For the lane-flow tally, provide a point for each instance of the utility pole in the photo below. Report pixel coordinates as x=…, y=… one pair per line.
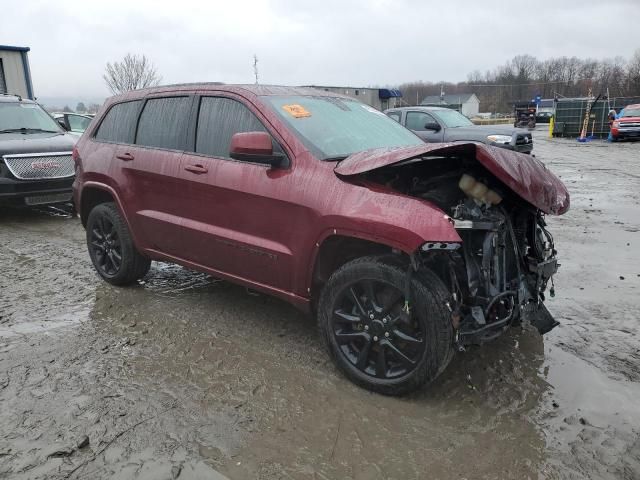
x=255, y=67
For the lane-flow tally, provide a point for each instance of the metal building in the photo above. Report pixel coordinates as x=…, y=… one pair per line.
x=379, y=98
x=15, y=74
x=467, y=104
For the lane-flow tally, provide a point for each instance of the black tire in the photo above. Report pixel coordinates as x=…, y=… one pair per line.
x=111, y=248
x=390, y=373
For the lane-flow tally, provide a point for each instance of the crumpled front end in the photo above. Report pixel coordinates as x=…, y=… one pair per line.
x=500, y=272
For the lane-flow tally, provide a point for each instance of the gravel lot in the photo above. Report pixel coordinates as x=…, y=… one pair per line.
x=184, y=376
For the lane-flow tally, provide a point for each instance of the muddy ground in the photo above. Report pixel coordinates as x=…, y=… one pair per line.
x=184, y=376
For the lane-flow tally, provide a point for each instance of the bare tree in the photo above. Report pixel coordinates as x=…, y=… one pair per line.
x=633, y=73
x=93, y=108
x=132, y=73
x=524, y=77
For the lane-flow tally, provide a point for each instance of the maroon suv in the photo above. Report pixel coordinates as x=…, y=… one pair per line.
x=404, y=251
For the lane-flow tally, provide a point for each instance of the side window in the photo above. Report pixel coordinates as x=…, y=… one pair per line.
x=417, y=120
x=395, y=116
x=119, y=124
x=164, y=122
x=78, y=123
x=218, y=120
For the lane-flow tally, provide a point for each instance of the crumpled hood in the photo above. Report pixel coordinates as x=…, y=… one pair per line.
x=523, y=174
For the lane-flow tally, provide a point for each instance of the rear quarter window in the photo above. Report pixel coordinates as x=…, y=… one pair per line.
x=119, y=123
x=394, y=116
x=164, y=123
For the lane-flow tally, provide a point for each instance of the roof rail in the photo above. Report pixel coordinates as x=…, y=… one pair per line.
x=11, y=95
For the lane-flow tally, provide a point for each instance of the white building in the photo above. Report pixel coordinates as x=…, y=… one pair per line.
x=15, y=74
x=379, y=98
x=466, y=103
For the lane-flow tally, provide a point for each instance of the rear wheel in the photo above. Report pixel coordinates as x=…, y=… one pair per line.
x=372, y=338
x=110, y=246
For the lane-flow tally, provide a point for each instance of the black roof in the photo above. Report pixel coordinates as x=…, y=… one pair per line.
x=13, y=48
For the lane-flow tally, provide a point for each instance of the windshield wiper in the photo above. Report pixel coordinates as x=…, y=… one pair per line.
x=25, y=130
x=335, y=159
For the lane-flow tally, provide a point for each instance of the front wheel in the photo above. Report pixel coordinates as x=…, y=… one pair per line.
x=369, y=334
x=111, y=248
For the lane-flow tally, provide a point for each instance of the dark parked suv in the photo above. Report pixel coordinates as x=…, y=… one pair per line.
x=35, y=155
x=405, y=251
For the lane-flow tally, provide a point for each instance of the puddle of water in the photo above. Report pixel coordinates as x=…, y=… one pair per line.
x=578, y=386
x=591, y=421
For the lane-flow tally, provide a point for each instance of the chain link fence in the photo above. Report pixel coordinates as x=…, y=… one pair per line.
x=570, y=112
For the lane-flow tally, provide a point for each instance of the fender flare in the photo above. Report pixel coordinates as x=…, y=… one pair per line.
x=327, y=233
x=112, y=191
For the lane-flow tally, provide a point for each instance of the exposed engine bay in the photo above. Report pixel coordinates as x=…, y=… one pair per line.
x=498, y=275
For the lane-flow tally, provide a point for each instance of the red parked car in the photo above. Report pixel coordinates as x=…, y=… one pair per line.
x=404, y=251
x=628, y=124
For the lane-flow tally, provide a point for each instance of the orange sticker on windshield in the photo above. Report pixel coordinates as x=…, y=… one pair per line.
x=296, y=111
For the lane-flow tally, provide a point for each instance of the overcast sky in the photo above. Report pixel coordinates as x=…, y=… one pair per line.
x=323, y=42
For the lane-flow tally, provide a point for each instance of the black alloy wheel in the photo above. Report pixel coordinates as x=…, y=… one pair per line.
x=111, y=247
x=371, y=335
x=106, y=246
x=374, y=332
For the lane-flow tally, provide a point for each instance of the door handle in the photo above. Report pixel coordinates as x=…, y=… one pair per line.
x=127, y=157
x=196, y=169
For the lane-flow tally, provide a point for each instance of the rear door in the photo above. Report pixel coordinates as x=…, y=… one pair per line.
x=237, y=223
x=415, y=120
x=150, y=169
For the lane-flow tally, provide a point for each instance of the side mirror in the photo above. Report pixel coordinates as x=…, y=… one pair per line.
x=432, y=126
x=254, y=147
x=62, y=124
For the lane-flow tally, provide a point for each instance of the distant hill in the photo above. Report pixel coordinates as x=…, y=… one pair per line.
x=58, y=103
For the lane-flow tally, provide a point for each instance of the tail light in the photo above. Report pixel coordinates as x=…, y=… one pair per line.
x=75, y=155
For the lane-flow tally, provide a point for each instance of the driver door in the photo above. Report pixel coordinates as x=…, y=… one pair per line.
x=416, y=120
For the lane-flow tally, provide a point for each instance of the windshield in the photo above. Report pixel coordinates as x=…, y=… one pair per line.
x=334, y=128
x=452, y=118
x=26, y=117
x=633, y=112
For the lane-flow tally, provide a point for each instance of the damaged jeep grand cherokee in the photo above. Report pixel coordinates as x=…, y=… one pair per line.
x=405, y=252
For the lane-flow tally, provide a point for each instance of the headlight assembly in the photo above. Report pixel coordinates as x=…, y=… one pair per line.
x=499, y=138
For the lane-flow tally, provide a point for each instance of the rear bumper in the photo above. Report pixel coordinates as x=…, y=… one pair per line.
x=14, y=192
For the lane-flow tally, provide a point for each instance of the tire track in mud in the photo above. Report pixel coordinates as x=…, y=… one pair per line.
x=44, y=274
